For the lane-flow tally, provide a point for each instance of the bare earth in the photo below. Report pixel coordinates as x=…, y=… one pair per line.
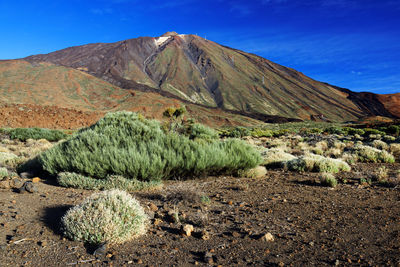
x=351, y=225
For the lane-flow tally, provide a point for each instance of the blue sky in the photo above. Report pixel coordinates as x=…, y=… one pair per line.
x=349, y=43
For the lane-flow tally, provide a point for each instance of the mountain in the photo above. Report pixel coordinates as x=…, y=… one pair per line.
x=191, y=70
x=70, y=98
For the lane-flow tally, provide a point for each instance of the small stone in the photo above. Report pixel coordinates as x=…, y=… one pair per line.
x=187, y=229
x=235, y=234
x=281, y=264
x=208, y=258
x=5, y=184
x=205, y=235
x=36, y=180
x=157, y=221
x=109, y=255
x=25, y=175
x=17, y=183
x=230, y=202
x=101, y=250
x=30, y=187
x=153, y=207
x=139, y=261
x=268, y=237
x=311, y=243
x=21, y=190
x=42, y=243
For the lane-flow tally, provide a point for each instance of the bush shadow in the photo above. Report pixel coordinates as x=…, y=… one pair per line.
x=52, y=217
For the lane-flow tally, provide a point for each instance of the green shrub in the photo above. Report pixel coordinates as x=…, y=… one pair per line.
x=126, y=144
x=328, y=179
x=334, y=130
x=201, y=131
x=353, y=131
x=3, y=173
x=23, y=134
x=5, y=156
x=111, y=217
x=317, y=163
x=239, y=132
x=369, y=131
x=70, y=179
x=363, y=153
x=275, y=158
x=379, y=145
x=393, y=130
x=257, y=132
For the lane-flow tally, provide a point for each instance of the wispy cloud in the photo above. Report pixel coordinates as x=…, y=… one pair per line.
x=240, y=9
x=101, y=11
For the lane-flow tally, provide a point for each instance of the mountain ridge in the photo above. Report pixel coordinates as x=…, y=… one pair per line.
x=194, y=70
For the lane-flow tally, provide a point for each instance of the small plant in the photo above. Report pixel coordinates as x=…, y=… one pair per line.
x=4, y=157
x=3, y=173
x=379, y=145
x=205, y=200
x=317, y=163
x=328, y=179
x=363, y=153
x=74, y=180
x=381, y=174
x=24, y=134
x=111, y=217
x=275, y=158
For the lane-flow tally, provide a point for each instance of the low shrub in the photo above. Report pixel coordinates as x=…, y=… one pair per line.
x=201, y=131
x=327, y=179
x=275, y=158
x=369, y=131
x=261, y=133
x=111, y=217
x=362, y=153
x=24, y=134
x=4, y=157
x=317, y=163
x=126, y=144
x=70, y=179
x=395, y=149
x=379, y=145
x=3, y=173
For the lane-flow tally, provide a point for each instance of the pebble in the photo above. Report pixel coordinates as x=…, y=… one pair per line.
x=187, y=229
x=5, y=184
x=25, y=175
x=16, y=183
x=101, y=250
x=153, y=207
x=30, y=187
x=268, y=237
x=205, y=235
x=208, y=257
x=36, y=180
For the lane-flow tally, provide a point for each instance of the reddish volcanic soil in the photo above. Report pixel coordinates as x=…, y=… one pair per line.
x=351, y=225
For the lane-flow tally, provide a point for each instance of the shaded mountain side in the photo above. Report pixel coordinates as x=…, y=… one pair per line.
x=195, y=70
x=73, y=92
x=375, y=104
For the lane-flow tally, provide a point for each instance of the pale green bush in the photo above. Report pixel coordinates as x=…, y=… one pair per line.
x=395, y=149
x=69, y=179
x=111, y=217
x=379, y=145
x=327, y=179
x=317, y=163
x=275, y=157
x=362, y=153
x=3, y=173
x=126, y=144
x=4, y=157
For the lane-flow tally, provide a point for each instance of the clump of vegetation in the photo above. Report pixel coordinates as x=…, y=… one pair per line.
x=126, y=144
x=275, y=158
x=70, y=179
x=395, y=149
x=5, y=156
x=317, y=163
x=200, y=131
x=111, y=217
x=3, y=173
x=379, y=145
x=24, y=134
x=364, y=153
x=327, y=179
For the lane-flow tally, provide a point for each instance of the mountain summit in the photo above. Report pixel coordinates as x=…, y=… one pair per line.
x=195, y=70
